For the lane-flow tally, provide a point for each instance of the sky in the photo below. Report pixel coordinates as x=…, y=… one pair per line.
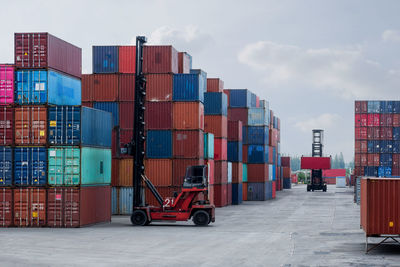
x=310, y=59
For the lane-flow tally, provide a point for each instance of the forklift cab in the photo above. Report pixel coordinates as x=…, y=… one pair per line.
x=196, y=177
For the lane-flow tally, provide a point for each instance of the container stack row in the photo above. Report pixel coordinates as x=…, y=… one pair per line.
x=286, y=173
x=377, y=138
x=331, y=176
x=55, y=164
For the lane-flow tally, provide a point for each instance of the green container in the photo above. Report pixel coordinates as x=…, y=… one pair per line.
x=208, y=146
x=71, y=166
x=244, y=172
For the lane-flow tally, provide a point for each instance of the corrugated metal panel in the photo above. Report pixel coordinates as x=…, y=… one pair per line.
x=244, y=172
x=229, y=172
x=47, y=87
x=125, y=200
x=112, y=107
x=179, y=167
x=235, y=151
x=235, y=131
x=215, y=104
x=114, y=200
x=95, y=166
x=159, y=171
x=100, y=87
x=30, y=125
x=125, y=171
x=6, y=164
x=239, y=98
x=211, y=170
x=188, y=144
x=6, y=84
x=64, y=166
x=256, y=135
x=160, y=59
x=259, y=191
x=114, y=170
x=126, y=111
x=220, y=171
x=64, y=125
x=159, y=87
x=127, y=59
x=257, y=117
x=220, y=195
x=185, y=62
x=92, y=120
x=215, y=85
x=188, y=116
x=30, y=166
x=6, y=207
x=237, y=172
x=6, y=125
x=29, y=206
x=126, y=87
x=257, y=172
x=237, y=193
x=43, y=50
x=257, y=154
x=217, y=125
x=229, y=194
x=253, y=101
x=238, y=114
x=220, y=149
x=159, y=144
x=158, y=115
x=208, y=145
x=189, y=87
x=105, y=59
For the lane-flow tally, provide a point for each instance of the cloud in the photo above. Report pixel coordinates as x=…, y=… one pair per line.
x=343, y=72
x=189, y=38
x=391, y=36
x=323, y=121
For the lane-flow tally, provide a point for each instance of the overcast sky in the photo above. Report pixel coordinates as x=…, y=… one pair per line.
x=310, y=59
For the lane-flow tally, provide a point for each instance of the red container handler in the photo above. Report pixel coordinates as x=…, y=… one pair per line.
x=179, y=167
x=43, y=50
x=29, y=206
x=78, y=206
x=165, y=191
x=6, y=125
x=188, y=144
x=315, y=163
x=6, y=207
x=235, y=131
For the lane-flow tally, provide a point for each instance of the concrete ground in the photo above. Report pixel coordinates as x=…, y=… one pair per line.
x=296, y=229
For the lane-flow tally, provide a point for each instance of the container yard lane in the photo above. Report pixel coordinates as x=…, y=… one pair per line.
x=295, y=229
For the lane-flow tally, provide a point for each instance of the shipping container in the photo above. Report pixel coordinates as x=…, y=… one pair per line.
x=220, y=195
x=218, y=125
x=43, y=50
x=235, y=151
x=126, y=87
x=208, y=146
x=6, y=165
x=6, y=207
x=91, y=121
x=190, y=87
x=99, y=87
x=361, y=133
x=315, y=163
x=29, y=206
x=235, y=131
x=188, y=144
x=237, y=193
x=30, y=165
x=159, y=171
x=158, y=115
x=6, y=84
x=257, y=173
x=105, y=59
x=257, y=154
x=30, y=125
x=210, y=170
x=229, y=194
x=188, y=116
x=240, y=98
x=379, y=206
x=287, y=183
x=285, y=161
x=124, y=137
x=237, y=172
x=255, y=135
x=259, y=191
x=396, y=133
x=125, y=203
x=257, y=117
x=126, y=59
x=245, y=153
x=46, y=87
x=159, y=87
x=215, y=85
x=220, y=172
x=396, y=120
x=159, y=144
x=244, y=191
x=78, y=206
x=184, y=62
x=220, y=149
x=114, y=171
x=215, y=104
x=373, y=106
x=111, y=107
x=126, y=111
x=125, y=172
x=238, y=114
x=114, y=200
x=179, y=167
x=6, y=125
x=244, y=172
x=333, y=172
x=286, y=173
x=160, y=59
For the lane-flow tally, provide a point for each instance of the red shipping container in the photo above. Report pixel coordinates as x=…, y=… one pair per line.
x=179, y=167
x=386, y=120
x=188, y=144
x=126, y=114
x=396, y=160
x=159, y=87
x=386, y=133
x=229, y=194
x=87, y=104
x=270, y=154
x=285, y=162
x=274, y=186
x=30, y=125
x=217, y=125
x=363, y=106
x=220, y=149
x=396, y=171
x=363, y=146
x=215, y=85
x=334, y=173
x=273, y=137
x=286, y=172
x=361, y=133
x=379, y=210
x=220, y=195
x=257, y=173
x=188, y=116
x=159, y=171
x=6, y=125
x=114, y=172
x=220, y=172
x=373, y=120
x=160, y=59
x=75, y=207
x=359, y=171
x=357, y=160
x=211, y=170
x=315, y=163
x=361, y=120
x=158, y=115
x=126, y=87
x=184, y=62
x=114, y=144
x=237, y=172
x=165, y=191
x=235, y=131
x=364, y=160
x=29, y=206
x=373, y=133
x=126, y=59
x=396, y=120
x=271, y=118
x=244, y=153
x=258, y=102
x=330, y=180
x=100, y=87
x=6, y=207
x=43, y=50
x=211, y=194
x=238, y=114
x=357, y=107
x=244, y=191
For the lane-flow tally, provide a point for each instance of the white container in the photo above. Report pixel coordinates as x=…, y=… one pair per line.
x=341, y=182
x=229, y=172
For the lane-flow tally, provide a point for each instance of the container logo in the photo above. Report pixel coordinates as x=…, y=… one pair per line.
x=34, y=214
x=53, y=123
x=391, y=224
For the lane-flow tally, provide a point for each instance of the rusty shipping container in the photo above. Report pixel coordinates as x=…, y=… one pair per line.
x=100, y=87
x=6, y=125
x=220, y=149
x=220, y=172
x=257, y=173
x=158, y=115
x=188, y=144
x=30, y=125
x=179, y=167
x=184, y=63
x=78, y=206
x=235, y=131
x=159, y=87
x=126, y=58
x=126, y=87
x=237, y=172
x=380, y=202
x=188, y=116
x=217, y=125
x=6, y=207
x=160, y=59
x=114, y=172
x=159, y=171
x=43, y=50
x=215, y=85
x=220, y=195
x=29, y=206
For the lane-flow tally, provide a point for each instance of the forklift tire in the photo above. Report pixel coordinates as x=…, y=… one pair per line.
x=308, y=188
x=139, y=218
x=324, y=189
x=201, y=218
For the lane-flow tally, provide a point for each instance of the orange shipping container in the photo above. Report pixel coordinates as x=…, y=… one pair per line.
x=188, y=116
x=244, y=186
x=159, y=87
x=126, y=59
x=29, y=207
x=159, y=171
x=217, y=125
x=30, y=125
x=215, y=85
x=237, y=172
x=100, y=87
x=125, y=172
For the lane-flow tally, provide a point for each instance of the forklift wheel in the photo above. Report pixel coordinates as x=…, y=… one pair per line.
x=324, y=189
x=308, y=188
x=139, y=218
x=201, y=218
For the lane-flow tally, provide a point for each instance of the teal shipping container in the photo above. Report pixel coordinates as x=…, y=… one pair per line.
x=72, y=166
x=208, y=146
x=244, y=172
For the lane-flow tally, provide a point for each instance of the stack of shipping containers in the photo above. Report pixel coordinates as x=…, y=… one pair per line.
x=286, y=172
x=235, y=155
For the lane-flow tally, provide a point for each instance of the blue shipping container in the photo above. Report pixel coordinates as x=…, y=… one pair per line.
x=215, y=104
x=255, y=135
x=239, y=98
x=112, y=107
x=6, y=163
x=385, y=160
x=159, y=144
x=190, y=87
x=47, y=87
x=125, y=200
x=257, y=154
x=30, y=165
x=396, y=147
x=237, y=194
x=257, y=117
x=253, y=101
x=373, y=106
x=385, y=146
x=96, y=127
x=384, y=171
x=105, y=59
x=371, y=171
x=114, y=200
x=235, y=151
x=287, y=183
x=259, y=191
x=64, y=125
x=396, y=106
x=396, y=133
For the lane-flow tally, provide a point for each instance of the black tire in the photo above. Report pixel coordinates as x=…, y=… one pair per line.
x=201, y=218
x=139, y=218
x=324, y=189
x=308, y=188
